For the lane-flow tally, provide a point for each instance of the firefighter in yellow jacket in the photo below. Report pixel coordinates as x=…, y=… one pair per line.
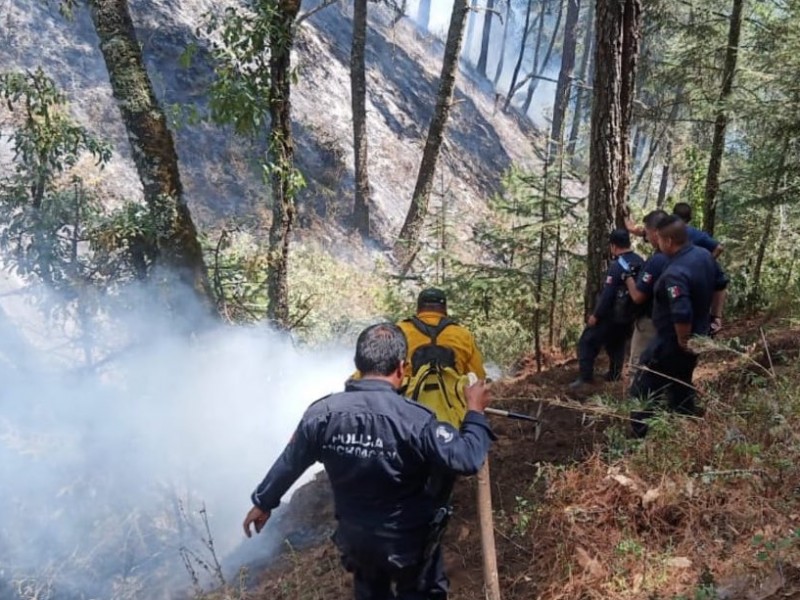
x=431, y=321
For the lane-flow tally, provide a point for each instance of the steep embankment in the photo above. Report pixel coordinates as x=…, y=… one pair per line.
x=704, y=508
x=219, y=170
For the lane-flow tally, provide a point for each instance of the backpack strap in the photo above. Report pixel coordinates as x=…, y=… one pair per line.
x=430, y=331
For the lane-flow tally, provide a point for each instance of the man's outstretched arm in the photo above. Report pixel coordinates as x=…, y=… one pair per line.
x=461, y=451
x=298, y=455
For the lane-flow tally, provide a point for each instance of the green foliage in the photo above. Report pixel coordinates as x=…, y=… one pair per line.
x=54, y=227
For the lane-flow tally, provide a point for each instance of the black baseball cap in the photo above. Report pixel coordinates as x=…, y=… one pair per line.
x=432, y=296
x=620, y=238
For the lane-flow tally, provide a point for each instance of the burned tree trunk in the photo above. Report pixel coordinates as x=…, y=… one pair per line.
x=177, y=249
x=407, y=244
x=486, y=37
x=358, y=97
x=721, y=122
x=662, y=186
x=536, y=74
x=581, y=95
x=423, y=14
x=526, y=29
x=281, y=157
x=501, y=60
x=561, y=101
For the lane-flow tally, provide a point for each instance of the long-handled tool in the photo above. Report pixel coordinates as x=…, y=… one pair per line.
x=491, y=577
x=509, y=414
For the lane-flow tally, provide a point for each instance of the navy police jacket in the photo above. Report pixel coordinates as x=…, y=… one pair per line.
x=381, y=451
x=649, y=275
x=684, y=291
x=613, y=283
x=700, y=238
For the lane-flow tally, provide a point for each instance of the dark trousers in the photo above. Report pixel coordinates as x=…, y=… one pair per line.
x=385, y=568
x=666, y=381
x=606, y=335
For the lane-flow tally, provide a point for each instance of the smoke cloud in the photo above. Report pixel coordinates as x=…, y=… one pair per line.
x=105, y=467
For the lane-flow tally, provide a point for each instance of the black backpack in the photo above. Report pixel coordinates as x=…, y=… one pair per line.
x=432, y=354
x=625, y=311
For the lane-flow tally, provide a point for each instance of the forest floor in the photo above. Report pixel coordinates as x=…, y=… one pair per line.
x=703, y=508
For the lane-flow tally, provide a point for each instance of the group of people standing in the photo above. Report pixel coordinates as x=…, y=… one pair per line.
x=658, y=304
x=392, y=463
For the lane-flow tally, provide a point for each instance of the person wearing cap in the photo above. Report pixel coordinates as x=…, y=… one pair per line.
x=691, y=289
x=603, y=330
x=386, y=458
x=431, y=310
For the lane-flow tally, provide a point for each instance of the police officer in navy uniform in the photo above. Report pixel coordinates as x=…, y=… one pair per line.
x=641, y=288
x=603, y=328
x=387, y=458
x=691, y=287
x=698, y=237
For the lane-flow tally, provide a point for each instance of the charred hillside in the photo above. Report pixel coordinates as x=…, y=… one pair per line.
x=219, y=169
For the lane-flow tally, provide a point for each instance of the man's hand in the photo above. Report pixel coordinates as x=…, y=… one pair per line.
x=591, y=321
x=256, y=517
x=716, y=325
x=478, y=396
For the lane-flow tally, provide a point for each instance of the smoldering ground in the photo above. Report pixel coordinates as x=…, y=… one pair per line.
x=106, y=467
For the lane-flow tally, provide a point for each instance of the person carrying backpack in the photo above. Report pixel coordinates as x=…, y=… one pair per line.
x=611, y=322
x=440, y=355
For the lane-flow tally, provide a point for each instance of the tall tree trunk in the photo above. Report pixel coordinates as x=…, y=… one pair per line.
x=755, y=289
x=605, y=149
x=177, y=249
x=281, y=157
x=486, y=37
x=423, y=14
x=561, y=100
x=501, y=60
x=358, y=96
x=721, y=122
x=471, y=19
x=638, y=143
x=526, y=29
x=534, y=82
x=631, y=36
x=662, y=187
x=557, y=252
x=581, y=95
x=407, y=244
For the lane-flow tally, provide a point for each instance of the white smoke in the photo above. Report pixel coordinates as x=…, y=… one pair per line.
x=97, y=463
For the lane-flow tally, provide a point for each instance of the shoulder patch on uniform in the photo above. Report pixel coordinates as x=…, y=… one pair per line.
x=647, y=277
x=674, y=291
x=444, y=434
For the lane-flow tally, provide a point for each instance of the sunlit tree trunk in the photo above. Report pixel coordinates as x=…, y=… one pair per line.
x=281, y=150
x=358, y=96
x=721, y=122
x=178, y=252
x=616, y=43
x=407, y=244
x=631, y=37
